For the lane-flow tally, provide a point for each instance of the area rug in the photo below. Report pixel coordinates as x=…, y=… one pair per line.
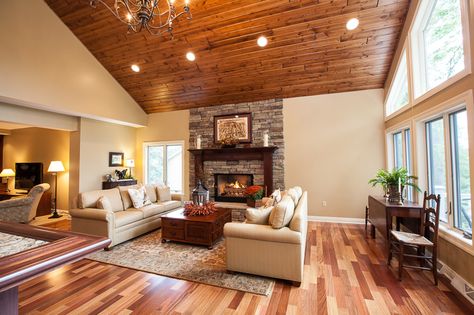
x=182, y=261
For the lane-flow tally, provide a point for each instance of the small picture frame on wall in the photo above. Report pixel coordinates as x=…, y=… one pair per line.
x=234, y=125
x=115, y=159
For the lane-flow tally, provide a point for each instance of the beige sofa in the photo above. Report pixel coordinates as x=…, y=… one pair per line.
x=262, y=250
x=123, y=222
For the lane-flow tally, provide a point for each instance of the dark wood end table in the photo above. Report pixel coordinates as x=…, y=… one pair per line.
x=199, y=230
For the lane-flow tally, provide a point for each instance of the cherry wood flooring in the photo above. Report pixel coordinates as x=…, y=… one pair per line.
x=345, y=273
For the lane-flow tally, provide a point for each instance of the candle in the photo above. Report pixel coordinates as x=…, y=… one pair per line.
x=198, y=142
x=265, y=140
x=400, y=185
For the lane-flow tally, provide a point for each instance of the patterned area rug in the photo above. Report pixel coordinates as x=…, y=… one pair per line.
x=182, y=261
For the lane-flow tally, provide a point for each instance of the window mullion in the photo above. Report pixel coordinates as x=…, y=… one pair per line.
x=449, y=171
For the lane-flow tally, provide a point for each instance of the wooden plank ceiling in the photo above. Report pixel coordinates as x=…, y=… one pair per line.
x=309, y=52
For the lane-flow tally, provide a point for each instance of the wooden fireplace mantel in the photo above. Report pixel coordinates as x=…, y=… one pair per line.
x=264, y=154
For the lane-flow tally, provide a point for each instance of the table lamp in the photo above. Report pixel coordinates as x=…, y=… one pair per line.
x=130, y=163
x=55, y=167
x=7, y=172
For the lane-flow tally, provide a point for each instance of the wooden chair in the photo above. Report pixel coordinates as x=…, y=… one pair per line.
x=397, y=240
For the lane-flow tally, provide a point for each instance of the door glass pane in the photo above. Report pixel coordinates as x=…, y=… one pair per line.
x=174, y=167
x=443, y=42
x=437, y=163
x=155, y=165
x=409, y=190
x=461, y=172
x=398, y=150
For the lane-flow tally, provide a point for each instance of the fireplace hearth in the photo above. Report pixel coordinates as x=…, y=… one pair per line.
x=231, y=187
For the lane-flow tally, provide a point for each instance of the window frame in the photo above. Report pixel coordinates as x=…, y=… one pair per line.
x=394, y=84
x=146, y=145
x=417, y=65
x=464, y=100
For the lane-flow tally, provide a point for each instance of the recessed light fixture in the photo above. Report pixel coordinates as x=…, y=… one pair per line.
x=352, y=24
x=135, y=68
x=262, y=41
x=190, y=56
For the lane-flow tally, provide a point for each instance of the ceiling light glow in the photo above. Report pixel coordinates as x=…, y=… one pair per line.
x=135, y=68
x=190, y=56
x=352, y=24
x=262, y=41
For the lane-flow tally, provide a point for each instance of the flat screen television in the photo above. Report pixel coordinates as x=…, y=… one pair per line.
x=27, y=175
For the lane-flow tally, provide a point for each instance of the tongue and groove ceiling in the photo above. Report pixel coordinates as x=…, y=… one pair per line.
x=309, y=52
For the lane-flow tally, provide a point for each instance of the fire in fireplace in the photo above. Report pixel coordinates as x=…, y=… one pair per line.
x=231, y=187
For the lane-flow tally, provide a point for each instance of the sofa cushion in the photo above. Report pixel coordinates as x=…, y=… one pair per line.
x=104, y=203
x=89, y=199
x=294, y=195
x=171, y=204
x=127, y=202
x=164, y=193
x=128, y=216
x=151, y=210
x=258, y=216
x=151, y=193
x=139, y=197
x=299, y=191
x=282, y=213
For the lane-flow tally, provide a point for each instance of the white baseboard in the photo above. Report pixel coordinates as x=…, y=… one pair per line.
x=316, y=218
x=458, y=283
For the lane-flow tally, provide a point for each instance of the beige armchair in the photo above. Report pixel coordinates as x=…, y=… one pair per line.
x=22, y=210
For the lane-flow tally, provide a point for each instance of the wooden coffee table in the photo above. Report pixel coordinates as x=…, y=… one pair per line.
x=200, y=230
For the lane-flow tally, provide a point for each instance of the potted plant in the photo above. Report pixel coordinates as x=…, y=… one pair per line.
x=394, y=182
x=254, y=196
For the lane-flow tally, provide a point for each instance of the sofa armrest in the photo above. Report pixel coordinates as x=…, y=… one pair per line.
x=92, y=214
x=262, y=233
x=177, y=197
x=16, y=202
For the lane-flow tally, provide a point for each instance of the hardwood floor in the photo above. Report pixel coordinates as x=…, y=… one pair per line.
x=345, y=273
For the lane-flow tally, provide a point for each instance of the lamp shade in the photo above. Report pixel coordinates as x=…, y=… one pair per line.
x=129, y=163
x=55, y=166
x=7, y=172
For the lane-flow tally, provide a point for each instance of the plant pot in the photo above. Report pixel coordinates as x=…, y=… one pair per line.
x=254, y=203
x=394, y=194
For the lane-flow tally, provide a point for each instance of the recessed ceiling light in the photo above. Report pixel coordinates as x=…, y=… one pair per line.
x=352, y=24
x=135, y=68
x=262, y=41
x=190, y=56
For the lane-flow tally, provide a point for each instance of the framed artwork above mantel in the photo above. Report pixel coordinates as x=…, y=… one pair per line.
x=233, y=125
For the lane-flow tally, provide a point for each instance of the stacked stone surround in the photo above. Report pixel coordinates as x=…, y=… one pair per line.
x=267, y=116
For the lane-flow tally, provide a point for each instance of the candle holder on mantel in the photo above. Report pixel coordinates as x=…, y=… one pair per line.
x=265, y=139
x=198, y=142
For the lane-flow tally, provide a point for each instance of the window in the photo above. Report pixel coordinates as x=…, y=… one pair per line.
x=407, y=137
x=398, y=150
x=448, y=167
x=398, y=94
x=438, y=47
x=401, y=155
x=460, y=170
x=164, y=164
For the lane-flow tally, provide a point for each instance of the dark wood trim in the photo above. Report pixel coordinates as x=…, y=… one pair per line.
x=63, y=248
x=249, y=125
x=110, y=159
x=264, y=154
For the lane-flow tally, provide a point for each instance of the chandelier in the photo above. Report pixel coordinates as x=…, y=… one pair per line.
x=156, y=16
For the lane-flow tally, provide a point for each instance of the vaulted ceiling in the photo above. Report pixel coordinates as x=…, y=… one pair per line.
x=309, y=51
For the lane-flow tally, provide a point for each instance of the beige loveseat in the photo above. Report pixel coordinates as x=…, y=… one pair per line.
x=122, y=222
x=263, y=250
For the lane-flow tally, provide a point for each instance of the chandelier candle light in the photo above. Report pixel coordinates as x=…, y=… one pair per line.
x=156, y=16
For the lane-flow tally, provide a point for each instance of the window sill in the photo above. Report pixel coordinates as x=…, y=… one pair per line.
x=456, y=238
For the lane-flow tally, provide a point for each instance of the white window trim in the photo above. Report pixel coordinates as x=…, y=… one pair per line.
x=392, y=86
x=465, y=99
x=414, y=45
x=163, y=143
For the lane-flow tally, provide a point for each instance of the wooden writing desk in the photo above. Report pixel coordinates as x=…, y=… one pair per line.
x=381, y=213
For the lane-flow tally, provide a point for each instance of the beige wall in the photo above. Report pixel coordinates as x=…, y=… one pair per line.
x=96, y=140
x=333, y=145
x=45, y=66
x=40, y=145
x=459, y=260
x=168, y=126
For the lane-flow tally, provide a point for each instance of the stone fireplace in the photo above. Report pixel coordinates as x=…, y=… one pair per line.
x=231, y=187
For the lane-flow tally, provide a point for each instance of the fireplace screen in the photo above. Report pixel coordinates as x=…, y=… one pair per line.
x=231, y=187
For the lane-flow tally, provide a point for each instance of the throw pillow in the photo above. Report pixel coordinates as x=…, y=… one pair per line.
x=164, y=193
x=276, y=195
x=139, y=197
x=151, y=192
x=293, y=194
x=282, y=213
x=104, y=203
x=127, y=202
x=258, y=216
x=299, y=190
